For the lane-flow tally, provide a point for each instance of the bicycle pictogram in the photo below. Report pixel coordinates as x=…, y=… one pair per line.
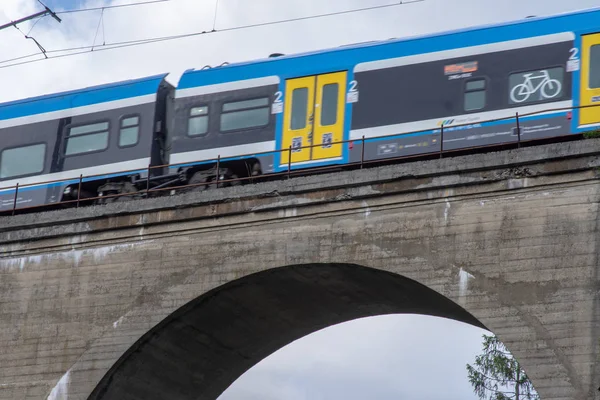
x=548, y=87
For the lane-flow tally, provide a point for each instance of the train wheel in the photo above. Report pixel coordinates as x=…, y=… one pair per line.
x=127, y=190
x=200, y=180
x=227, y=174
x=205, y=180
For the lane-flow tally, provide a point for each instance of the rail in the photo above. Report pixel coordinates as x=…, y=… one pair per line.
x=289, y=172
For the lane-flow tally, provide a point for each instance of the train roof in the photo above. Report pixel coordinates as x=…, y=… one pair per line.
x=431, y=42
x=81, y=97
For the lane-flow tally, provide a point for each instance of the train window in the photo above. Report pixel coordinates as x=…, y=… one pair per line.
x=329, y=108
x=87, y=138
x=299, y=108
x=245, y=114
x=595, y=67
x=242, y=105
x=20, y=161
x=475, y=95
x=198, y=121
x=130, y=131
x=535, y=86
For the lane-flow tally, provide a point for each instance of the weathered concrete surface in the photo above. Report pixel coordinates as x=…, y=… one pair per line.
x=512, y=240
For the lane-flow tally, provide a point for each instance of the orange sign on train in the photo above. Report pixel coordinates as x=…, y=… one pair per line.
x=460, y=68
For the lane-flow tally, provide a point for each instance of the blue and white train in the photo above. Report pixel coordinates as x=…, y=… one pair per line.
x=395, y=93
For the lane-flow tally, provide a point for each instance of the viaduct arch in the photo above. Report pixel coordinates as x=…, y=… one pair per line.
x=203, y=347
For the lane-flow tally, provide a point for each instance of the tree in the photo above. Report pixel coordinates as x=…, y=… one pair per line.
x=496, y=375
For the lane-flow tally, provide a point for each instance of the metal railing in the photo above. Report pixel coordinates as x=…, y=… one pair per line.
x=289, y=172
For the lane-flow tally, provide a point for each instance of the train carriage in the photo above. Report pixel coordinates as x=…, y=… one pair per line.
x=104, y=132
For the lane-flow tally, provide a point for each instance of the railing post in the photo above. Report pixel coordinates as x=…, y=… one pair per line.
x=442, y=142
x=362, y=152
x=518, y=131
x=148, y=182
x=79, y=189
x=289, y=161
x=15, y=200
x=218, y=174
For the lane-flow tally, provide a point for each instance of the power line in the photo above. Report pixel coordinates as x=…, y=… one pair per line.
x=34, y=24
x=216, y=13
x=117, y=45
x=43, y=14
x=101, y=21
x=54, y=14
x=78, y=10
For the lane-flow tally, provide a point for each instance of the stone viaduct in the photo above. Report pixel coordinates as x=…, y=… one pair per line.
x=174, y=298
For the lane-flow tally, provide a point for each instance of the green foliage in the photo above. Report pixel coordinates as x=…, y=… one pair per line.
x=591, y=134
x=496, y=375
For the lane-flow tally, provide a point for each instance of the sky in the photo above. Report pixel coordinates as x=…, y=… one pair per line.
x=411, y=357
x=399, y=357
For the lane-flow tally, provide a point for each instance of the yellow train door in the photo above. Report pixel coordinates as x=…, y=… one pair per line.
x=298, y=119
x=590, y=80
x=314, y=115
x=329, y=115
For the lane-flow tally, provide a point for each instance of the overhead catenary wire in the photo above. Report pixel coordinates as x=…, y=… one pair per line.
x=141, y=3
x=27, y=36
x=216, y=13
x=39, y=15
x=74, y=51
x=100, y=23
x=48, y=12
x=181, y=36
x=78, y=10
x=34, y=24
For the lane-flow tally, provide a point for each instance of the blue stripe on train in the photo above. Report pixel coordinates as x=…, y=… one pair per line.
x=464, y=127
x=82, y=97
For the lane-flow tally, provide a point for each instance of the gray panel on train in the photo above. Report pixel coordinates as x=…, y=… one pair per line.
x=114, y=153
x=424, y=91
x=53, y=132
x=179, y=112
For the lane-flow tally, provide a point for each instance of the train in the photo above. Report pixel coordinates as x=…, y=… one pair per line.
x=371, y=101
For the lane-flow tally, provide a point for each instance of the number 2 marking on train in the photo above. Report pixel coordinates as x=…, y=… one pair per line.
x=277, y=107
x=573, y=63
x=574, y=52
x=352, y=96
x=353, y=86
x=278, y=97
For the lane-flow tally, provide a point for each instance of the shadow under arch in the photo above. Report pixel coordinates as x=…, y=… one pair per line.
x=202, y=348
